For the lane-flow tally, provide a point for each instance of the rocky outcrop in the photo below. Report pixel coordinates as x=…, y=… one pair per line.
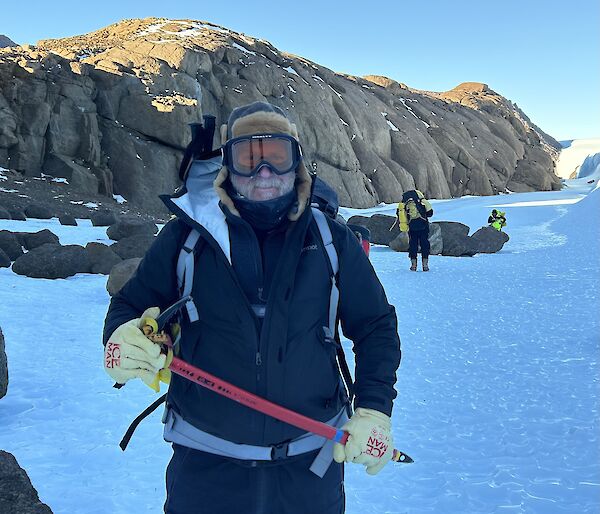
x=5, y=41
x=19, y=192
x=108, y=111
x=47, y=258
x=17, y=494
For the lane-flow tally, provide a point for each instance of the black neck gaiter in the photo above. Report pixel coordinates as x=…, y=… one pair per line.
x=267, y=214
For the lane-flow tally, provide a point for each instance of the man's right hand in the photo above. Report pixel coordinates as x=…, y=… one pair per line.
x=130, y=354
x=370, y=442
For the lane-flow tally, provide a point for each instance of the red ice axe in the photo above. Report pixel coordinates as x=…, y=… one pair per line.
x=219, y=386
x=259, y=404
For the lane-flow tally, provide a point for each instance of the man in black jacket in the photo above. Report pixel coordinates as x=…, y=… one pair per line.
x=262, y=290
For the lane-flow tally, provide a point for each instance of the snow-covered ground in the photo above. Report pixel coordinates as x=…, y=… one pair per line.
x=498, y=390
x=573, y=156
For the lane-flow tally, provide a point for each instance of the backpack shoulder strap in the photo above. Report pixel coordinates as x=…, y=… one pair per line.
x=331, y=332
x=421, y=208
x=185, y=270
x=332, y=255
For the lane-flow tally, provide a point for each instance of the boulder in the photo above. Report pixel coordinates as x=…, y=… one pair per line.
x=53, y=261
x=31, y=240
x=127, y=228
x=101, y=258
x=435, y=239
x=379, y=225
x=489, y=240
x=400, y=243
x=133, y=246
x=120, y=274
x=38, y=211
x=3, y=367
x=68, y=220
x=358, y=220
x=455, y=239
x=17, y=494
x=17, y=215
x=9, y=242
x=103, y=218
x=4, y=259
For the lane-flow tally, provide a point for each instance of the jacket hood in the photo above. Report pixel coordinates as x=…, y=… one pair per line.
x=197, y=202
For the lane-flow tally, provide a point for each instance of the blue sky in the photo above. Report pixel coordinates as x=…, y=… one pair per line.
x=542, y=55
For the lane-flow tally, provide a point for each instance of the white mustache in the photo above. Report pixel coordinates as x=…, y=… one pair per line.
x=265, y=183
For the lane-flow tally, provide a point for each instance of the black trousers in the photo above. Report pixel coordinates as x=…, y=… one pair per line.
x=203, y=483
x=418, y=238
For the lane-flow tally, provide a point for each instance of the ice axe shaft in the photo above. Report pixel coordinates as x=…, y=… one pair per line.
x=259, y=404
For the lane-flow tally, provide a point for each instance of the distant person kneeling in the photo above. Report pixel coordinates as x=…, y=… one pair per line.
x=497, y=219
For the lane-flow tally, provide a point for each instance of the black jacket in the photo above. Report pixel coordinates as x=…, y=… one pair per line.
x=285, y=359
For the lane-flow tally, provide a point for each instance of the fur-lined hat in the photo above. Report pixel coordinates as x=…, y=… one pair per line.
x=262, y=118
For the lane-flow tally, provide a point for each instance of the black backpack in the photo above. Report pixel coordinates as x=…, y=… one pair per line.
x=412, y=197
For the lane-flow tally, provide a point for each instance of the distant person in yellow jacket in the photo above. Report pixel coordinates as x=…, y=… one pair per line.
x=413, y=213
x=497, y=219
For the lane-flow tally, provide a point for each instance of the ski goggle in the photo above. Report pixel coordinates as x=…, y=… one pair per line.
x=245, y=155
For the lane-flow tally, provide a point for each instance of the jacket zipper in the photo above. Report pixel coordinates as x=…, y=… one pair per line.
x=258, y=365
x=259, y=272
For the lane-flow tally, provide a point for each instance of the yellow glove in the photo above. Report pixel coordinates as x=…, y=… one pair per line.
x=130, y=354
x=370, y=442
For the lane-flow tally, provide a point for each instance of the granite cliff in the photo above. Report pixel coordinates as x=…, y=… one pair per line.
x=109, y=112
